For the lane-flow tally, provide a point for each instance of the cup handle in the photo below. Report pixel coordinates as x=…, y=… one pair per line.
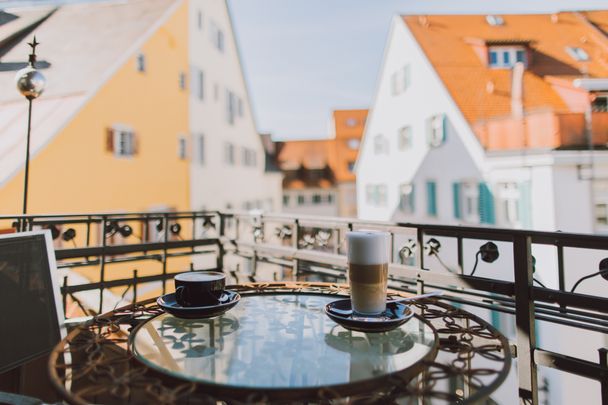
x=179, y=295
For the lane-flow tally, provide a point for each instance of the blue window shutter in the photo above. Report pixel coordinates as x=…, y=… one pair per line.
x=431, y=198
x=486, y=205
x=444, y=128
x=525, y=202
x=456, y=195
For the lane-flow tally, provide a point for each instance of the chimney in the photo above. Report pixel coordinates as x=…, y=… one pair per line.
x=517, y=90
x=554, y=18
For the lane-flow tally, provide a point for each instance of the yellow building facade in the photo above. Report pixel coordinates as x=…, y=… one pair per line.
x=76, y=173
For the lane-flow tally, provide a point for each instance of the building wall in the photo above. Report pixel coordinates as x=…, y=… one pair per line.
x=75, y=173
x=327, y=206
x=346, y=194
x=392, y=112
x=215, y=184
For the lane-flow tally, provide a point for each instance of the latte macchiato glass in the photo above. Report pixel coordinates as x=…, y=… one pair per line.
x=368, y=258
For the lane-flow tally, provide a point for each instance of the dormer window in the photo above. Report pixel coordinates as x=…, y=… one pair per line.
x=506, y=56
x=495, y=20
x=578, y=54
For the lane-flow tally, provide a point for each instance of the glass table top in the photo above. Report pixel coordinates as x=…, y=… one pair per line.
x=277, y=341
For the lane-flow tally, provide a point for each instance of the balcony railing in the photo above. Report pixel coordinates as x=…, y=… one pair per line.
x=134, y=254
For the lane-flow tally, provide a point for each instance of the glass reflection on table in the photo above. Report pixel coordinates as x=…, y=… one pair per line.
x=277, y=341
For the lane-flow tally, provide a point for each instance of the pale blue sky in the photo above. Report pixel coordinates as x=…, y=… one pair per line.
x=303, y=58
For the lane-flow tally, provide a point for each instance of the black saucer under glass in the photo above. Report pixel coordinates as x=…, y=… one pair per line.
x=227, y=300
x=396, y=314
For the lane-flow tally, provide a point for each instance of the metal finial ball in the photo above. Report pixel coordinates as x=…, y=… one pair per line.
x=30, y=82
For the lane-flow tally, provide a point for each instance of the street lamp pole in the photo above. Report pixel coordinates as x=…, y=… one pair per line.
x=30, y=83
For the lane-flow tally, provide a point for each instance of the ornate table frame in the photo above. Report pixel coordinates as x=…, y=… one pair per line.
x=94, y=364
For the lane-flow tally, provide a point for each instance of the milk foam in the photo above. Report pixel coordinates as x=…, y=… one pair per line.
x=368, y=247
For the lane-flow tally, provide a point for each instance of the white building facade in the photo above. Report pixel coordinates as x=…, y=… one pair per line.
x=421, y=161
x=226, y=151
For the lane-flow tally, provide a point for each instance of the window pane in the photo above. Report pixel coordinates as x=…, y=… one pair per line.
x=506, y=58
x=520, y=56
x=201, y=149
x=493, y=58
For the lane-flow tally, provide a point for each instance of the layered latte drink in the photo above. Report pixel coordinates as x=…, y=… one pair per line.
x=368, y=270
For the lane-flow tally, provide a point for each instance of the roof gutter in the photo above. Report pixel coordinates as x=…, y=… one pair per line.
x=591, y=84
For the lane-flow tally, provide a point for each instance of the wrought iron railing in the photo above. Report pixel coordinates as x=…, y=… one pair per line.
x=255, y=247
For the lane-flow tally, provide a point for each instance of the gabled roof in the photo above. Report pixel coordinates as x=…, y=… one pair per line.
x=482, y=92
x=81, y=46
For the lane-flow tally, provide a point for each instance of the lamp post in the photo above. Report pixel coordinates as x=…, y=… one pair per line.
x=30, y=84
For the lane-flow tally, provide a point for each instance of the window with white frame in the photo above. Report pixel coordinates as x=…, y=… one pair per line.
x=199, y=20
x=404, y=140
x=470, y=201
x=200, y=84
x=376, y=194
x=182, y=148
x=600, y=195
x=182, y=81
x=509, y=203
x=123, y=142
x=400, y=80
x=316, y=198
x=249, y=157
x=406, y=198
x=229, y=154
x=285, y=201
x=380, y=144
x=231, y=106
x=369, y=194
x=141, y=62
x=506, y=56
x=301, y=199
x=436, y=128
x=217, y=36
x=200, y=148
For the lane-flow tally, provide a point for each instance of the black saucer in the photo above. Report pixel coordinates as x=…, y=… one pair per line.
x=228, y=300
x=396, y=313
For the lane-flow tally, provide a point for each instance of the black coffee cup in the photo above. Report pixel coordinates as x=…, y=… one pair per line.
x=199, y=288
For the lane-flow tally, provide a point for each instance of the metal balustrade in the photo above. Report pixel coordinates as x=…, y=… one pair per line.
x=248, y=246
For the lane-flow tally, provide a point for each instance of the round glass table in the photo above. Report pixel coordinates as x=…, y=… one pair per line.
x=277, y=345
x=281, y=342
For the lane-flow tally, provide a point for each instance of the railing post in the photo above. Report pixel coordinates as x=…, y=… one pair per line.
x=603, y=352
x=294, y=243
x=102, y=262
x=524, y=318
x=220, y=245
x=134, y=286
x=165, y=240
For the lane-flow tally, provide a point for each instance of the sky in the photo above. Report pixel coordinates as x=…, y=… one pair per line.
x=304, y=58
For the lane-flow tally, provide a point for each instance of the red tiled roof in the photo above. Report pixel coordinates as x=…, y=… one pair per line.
x=482, y=92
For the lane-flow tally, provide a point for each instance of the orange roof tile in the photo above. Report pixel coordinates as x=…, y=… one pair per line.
x=482, y=92
x=349, y=123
